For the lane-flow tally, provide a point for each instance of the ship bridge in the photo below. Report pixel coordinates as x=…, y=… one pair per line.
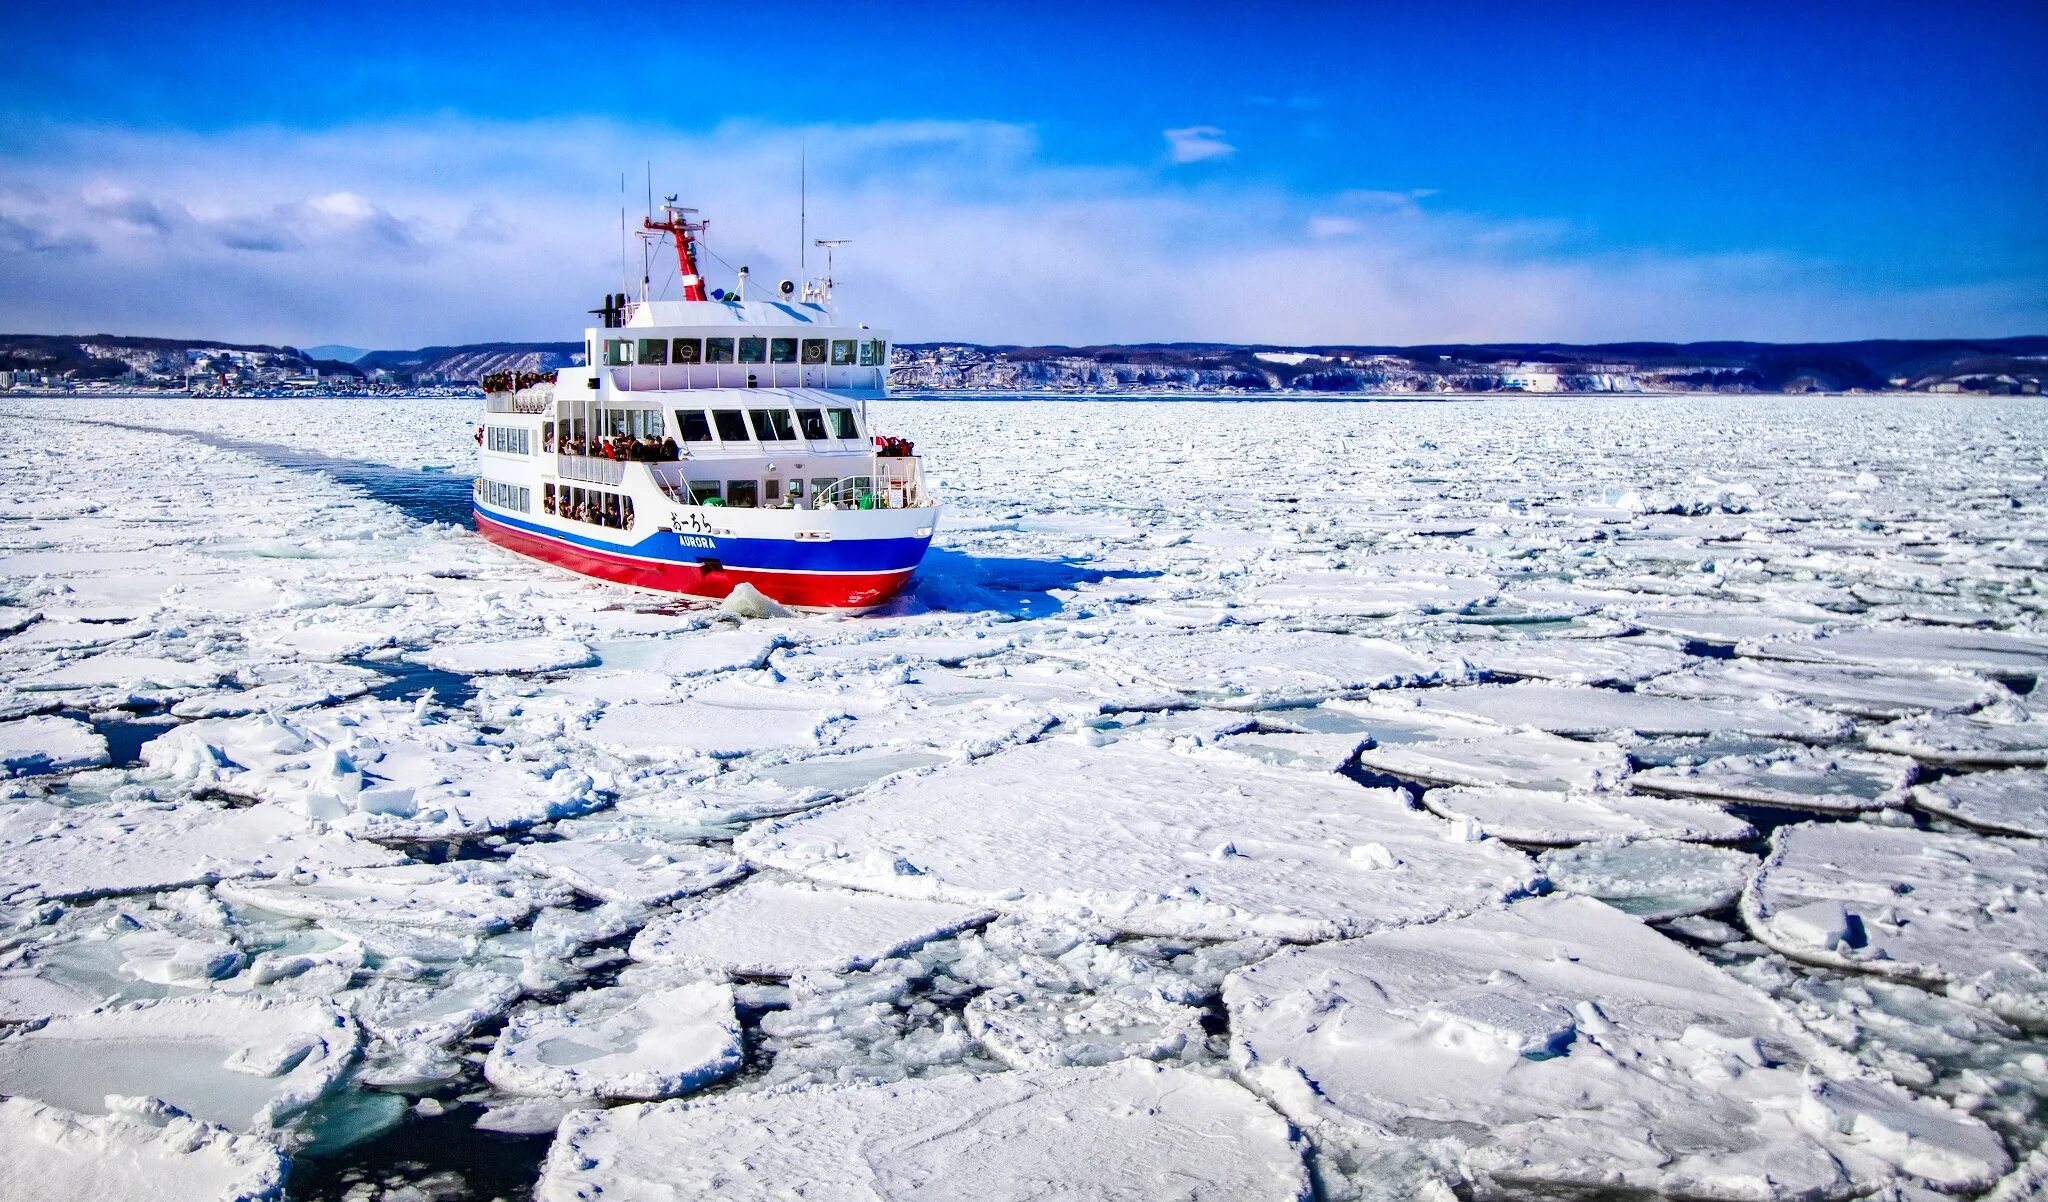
x=663, y=345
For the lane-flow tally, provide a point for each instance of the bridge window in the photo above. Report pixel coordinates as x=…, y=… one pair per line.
x=811, y=422
x=617, y=352
x=843, y=425
x=693, y=425
x=753, y=350
x=782, y=350
x=654, y=350
x=732, y=427
x=772, y=425
x=814, y=350
x=718, y=350
x=688, y=350
x=872, y=354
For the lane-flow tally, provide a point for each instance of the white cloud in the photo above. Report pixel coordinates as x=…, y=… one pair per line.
x=460, y=230
x=1197, y=143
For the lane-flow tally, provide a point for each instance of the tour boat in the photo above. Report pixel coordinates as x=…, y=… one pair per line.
x=712, y=441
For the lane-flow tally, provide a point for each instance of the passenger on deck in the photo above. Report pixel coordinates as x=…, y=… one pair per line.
x=669, y=450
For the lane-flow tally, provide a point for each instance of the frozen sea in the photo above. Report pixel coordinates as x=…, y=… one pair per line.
x=1602, y=798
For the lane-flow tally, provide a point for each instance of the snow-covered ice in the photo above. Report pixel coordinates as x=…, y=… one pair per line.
x=1230, y=675
x=1132, y=1132
x=620, y=1043
x=770, y=928
x=142, y=1154
x=1150, y=839
x=1965, y=913
x=1558, y=1046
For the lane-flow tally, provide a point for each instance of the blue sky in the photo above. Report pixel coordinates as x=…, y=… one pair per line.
x=396, y=175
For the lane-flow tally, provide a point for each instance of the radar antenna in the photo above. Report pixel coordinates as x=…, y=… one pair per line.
x=822, y=289
x=675, y=221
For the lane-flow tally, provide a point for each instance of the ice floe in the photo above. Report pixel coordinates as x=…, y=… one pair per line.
x=771, y=928
x=1807, y=779
x=46, y=744
x=620, y=1043
x=1580, y=710
x=141, y=1154
x=2007, y=735
x=247, y=1064
x=620, y=859
x=1149, y=839
x=2013, y=801
x=1547, y=817
x=1653, y=879
x=1966, y=913
x=1132, y=1132
x=508, y=655
x=1524, y=759
x=1559, y=1045
x=1849, y=689
x=1940, y=647
x=462, y=896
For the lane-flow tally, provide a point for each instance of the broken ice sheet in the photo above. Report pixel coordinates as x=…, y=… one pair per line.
x=247, y=1064
x=1844, y=688
x=1808, y=779
x=462, y=897
x=1149, y=839
x=1652, y=879
x=1546, y=817
x=1581, y=710
x=140, y=1154
x=773, y=928
x=623, y=1042
x=1960, y=912
x=619, y=858
x=1560, y=1045
x=2013, y=801
x=46, y=744
x=379, y=769
x=1132, y=1132
x=1523, y=758
x=1037, y=1029
x=2003, y=735
x=1916, y=646
x=527, y=655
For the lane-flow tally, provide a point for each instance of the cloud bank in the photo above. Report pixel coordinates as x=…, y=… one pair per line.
x=464, y=230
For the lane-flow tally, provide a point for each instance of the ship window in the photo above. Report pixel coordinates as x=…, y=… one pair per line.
x=811, y=422
x=871, y=353
x=814, y=350
x=821, y=491
x=753, y=350
x=654, y=350
x=842, y=352
x=718, y=350
x=695, y=427
x=782, y=350
x=688, y=350
x=843, y=425
x=772, y=425
x=617, y=352
x=771, y=490
x=703, y=490
x=743, y=494
x=732, y=427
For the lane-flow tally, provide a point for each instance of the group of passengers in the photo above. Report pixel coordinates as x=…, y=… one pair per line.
x=627, y=449
x=597, y=509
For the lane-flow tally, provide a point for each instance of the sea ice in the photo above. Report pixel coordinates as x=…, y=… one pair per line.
x=1149, y=839
x=35, y=745
x=1550, y=817
x=378, y=769
x=1916, y=646
x=462, y=896
x=620, y=1043
x=2006, y=735
x=130, y=847
x=1965, y=913
x=1524, y=759
x=1132, y=1132
x=508, y=655
x=1653, y=879
x=2014, y=801
x=245, y=1063
x=621, y=859
x=1858, y=691
x=1051, y=1030
x=1572, y=661
x=1808, y=779
x=1581, y=710
x=144, y=1153
x=1559, y=1046
x=770, y=928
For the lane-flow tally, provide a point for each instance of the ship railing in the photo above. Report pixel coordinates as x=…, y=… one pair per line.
x=590, y=469
x=896, y=483
x=679, y=376
x=519, y=402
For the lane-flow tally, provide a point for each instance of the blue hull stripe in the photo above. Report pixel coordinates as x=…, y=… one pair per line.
x=761, y=554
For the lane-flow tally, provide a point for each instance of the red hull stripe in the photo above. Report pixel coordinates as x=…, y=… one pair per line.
x=839, y=590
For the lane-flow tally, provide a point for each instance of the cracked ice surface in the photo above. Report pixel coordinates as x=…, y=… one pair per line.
x=390, y=768
x=1559, y=1044
x=1132, y=1132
